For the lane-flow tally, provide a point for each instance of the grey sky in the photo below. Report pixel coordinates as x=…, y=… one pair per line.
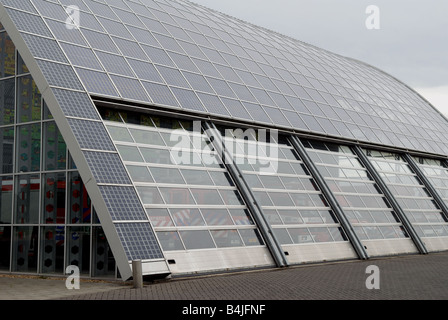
x=411, y=45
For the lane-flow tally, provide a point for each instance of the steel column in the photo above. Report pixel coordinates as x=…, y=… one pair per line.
x=326, y=191
x=390, y=197
x=251, y=202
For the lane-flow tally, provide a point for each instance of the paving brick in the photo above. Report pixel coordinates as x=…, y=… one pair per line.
x=414, y=277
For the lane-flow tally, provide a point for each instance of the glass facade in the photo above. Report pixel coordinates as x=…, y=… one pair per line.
x=290, y=199
x=420, y=208
x=437, y=173
x=188, y=194
x=363, y=203
x=47, y=221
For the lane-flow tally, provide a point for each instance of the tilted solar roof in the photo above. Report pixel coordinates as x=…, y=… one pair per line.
x=181, y=56
x=176, y=54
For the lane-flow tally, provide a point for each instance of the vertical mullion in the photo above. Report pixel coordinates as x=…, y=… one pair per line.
x=251, y=202
x=391, y=199
x=428, y=185
x=328, y=194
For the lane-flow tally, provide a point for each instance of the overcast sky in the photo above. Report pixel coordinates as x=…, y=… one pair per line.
x=411, y=44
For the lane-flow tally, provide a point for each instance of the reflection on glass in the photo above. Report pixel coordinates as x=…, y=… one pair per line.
x=103, y=262
x=7, y=56
x=21, y=66
x=6, y=202
x=197, y=177
x=129, y=153
x=6, y=149
x=27, y=197
x=251, y=237
x=231, y=197
x=28, y=148
x=167, y=175
x=110, y=115
x=157, y=156
x=187, y=217
x=289, y=217
x=79, y=203
x=52, y=249
x=197, y=240
x=119, y=134
x=282, y=236
x=160, y=217
x=147, y=137
x=139, y=174
x=25, y=249
x=55, y=149
x=221, y=178
x=78, y=248
x=170, y=241
x=7, y=101
x=54, y=198
x=207, y=197
x=217, y=217
x=227, y=238
x=338, y=234
x=47, y=114
x=320, y=235
x=300, y=235
x=241, y=216
x=177, y=196
x=149, y=195
x=29, y=102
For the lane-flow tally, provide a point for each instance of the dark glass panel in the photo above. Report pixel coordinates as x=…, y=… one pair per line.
x=78, y=248
x=28, y=148
x=6, y=202
x=7, y=101
x=55, y=149
x=79, y=203
x=7, y=56
x=103, y=262
x=5, y=247
x=27, y=192
x=29, y=102
x=25, y=249
x=6, y=149
x=53, y=206
x=52, y=249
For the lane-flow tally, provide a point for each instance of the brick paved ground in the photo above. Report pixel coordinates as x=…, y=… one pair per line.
x=415, y=277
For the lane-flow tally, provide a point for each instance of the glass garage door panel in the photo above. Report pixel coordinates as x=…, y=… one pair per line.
x=291, y=201
x=437, y=173
x=363, y=203
x=189, y=196
x=420, y=208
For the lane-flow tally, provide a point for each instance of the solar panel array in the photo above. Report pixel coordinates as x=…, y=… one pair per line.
x=174, y=53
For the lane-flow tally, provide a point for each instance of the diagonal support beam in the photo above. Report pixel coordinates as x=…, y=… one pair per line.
x=390, y=197
x=251, y=202
x=326, y=191
x=428, y=185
